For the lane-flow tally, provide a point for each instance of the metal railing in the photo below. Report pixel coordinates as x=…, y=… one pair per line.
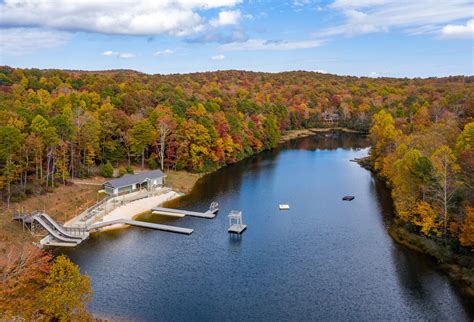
x=110, y=203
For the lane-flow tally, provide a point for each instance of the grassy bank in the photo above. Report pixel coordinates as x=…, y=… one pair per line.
x=182, y=181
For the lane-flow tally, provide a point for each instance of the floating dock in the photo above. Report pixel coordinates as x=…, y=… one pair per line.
x=209, y=214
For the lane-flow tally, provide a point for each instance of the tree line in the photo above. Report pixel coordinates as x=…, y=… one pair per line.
x=428, y=162
x=57, y=125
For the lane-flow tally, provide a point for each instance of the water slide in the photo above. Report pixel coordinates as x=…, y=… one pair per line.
x=58, y=227
x=55, y=233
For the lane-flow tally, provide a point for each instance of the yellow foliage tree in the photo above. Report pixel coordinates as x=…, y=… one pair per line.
x=466, y=138
x=425, y=217
x=66, y=292
x=467, y=231
x=382, y=134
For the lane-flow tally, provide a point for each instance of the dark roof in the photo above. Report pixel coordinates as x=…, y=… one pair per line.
x=129, y=179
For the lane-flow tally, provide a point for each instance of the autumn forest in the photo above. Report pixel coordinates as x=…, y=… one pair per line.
x=58, y=125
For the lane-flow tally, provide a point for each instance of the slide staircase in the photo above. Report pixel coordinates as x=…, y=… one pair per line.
x=58, y=227
x=54, y=232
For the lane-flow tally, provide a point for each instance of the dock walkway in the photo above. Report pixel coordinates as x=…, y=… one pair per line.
x=144, y=224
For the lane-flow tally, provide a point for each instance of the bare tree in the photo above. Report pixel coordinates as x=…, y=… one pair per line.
x=163, y=131
x=446, y=183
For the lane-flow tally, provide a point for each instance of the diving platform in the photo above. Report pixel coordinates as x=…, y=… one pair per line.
x=236, y=225
x=209, y=214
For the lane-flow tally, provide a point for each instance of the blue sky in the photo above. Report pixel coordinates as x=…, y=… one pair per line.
x=398, y=38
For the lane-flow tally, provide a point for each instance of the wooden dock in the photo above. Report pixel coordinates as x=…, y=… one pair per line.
x=180, y=212
x=143, y=224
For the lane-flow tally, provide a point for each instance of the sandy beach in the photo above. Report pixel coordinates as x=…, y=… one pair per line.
x=134, y=208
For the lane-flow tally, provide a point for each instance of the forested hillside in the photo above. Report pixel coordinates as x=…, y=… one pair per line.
x=57, y=125
x=429, y=164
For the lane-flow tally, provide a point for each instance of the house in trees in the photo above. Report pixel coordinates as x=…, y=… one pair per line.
x=330, y=117
x=148, y=180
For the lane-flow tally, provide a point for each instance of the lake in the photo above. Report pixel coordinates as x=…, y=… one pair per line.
x=324, y=259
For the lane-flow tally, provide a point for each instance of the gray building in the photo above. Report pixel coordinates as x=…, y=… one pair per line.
x=133, y=182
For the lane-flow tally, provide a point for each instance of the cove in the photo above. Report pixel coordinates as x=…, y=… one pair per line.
x=324, y=259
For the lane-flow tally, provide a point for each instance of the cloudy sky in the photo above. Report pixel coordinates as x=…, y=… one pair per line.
x=402, y=38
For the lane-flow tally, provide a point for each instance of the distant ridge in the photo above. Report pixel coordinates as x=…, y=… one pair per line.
x=468, y=78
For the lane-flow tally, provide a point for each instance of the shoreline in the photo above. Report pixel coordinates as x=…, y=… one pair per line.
x=458, y=267
x=296, y=134
x=138, y=207
x=133, y=209
x=67, y=210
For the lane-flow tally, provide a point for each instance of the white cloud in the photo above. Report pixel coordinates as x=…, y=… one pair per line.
x=374, y=75
x=21, y=41
x=109, y=53
x=260, y=44
x=345, y=4
x=301, y=3
x=322, y=71
x=118, y=54
x=218, y=57
x=128, y=17
x=459, y=31
x=226, y=18
x=165, y=52
x=126, y=55
x=367, y=16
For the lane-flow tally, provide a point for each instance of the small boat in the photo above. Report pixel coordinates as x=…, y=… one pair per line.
x=348, y=198
x=284, y=207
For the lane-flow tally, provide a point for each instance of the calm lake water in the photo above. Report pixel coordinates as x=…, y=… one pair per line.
x=324, y=259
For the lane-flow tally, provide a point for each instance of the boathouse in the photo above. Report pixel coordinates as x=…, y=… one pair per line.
x=133, y=182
